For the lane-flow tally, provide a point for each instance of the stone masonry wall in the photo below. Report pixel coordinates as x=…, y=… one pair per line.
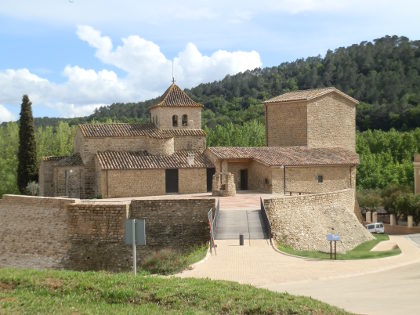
x=126, y=183
x=177, y=223
x=286, y=124
x=303, y=222
x=34, y=231
x=163, y=117
x=39, y=232
x=235, y=168
x=189, y=143
x=96, y=235
x=261, y=177
x=305, y=180
x=332, y=123
x=192, y=180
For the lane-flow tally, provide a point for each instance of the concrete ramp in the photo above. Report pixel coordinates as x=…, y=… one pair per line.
x=231, y=223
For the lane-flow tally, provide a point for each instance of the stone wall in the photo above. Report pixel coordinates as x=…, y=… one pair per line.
x=260, y=177
x=162, y=117
x=96, y=235
x=68, y=181
x=331, y=123
x=305, y=179
x=303, y=222
x=189, y=143
x=40, y=232
x=34, y=231
x=235, y=168
x=286, y=124
x=192, y=180
x=46, y=178
x=176, y=223
x=128, y=183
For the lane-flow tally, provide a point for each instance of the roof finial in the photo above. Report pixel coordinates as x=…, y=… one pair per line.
x=173, y=79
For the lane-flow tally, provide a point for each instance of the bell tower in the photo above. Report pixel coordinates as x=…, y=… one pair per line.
x=176, y=110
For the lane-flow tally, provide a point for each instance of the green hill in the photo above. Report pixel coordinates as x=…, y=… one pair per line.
x=384, y=75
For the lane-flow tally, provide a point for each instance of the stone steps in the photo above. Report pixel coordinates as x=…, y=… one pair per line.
x=231, y=223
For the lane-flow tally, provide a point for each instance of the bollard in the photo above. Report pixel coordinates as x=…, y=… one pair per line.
x=241, y=239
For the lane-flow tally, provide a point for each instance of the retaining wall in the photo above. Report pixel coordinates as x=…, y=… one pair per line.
x=48, y=232
x=303, y=222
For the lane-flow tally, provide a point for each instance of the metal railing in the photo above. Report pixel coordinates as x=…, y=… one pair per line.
x=266, y=221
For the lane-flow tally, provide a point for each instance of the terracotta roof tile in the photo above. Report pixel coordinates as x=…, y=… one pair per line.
x=134, y=130
x=289, y=156
x=306, y=95
x=174, y=96
x=123, y=160
x=73, y=160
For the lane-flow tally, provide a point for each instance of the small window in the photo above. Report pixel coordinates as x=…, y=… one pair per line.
x=185, y=120
x=175, y=121
x=320, y=178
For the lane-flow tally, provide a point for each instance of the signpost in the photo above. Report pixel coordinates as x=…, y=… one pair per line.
x=135, y=234
x=333, y=238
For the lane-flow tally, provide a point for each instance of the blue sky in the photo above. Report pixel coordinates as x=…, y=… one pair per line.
x=71, y=56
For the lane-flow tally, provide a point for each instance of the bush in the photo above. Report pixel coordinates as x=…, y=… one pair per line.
x=32, y=188
x=165, y=261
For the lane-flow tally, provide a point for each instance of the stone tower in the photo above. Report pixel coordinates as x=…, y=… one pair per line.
x=176, y=110
x=318, y=118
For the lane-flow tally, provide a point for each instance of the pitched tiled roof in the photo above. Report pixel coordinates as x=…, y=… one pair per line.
x=306, y=95
x=135, y=130
x=123, y=160
x=73, y=160
x=289, y=156
x=174, y=96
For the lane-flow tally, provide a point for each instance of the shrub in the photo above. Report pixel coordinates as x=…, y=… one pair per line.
x=165, y=261
x=32, y=188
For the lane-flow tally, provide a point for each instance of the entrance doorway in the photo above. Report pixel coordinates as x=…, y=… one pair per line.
x=171, y=180
x=244, y=179
x=210, y=173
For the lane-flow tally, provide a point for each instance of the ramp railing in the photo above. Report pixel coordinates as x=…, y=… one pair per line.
x=266, y=221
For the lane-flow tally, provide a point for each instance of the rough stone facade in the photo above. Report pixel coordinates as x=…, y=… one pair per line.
x=163, y=118
x=303, y=222
x=286, y=124
x=331, y=122
x=41, y=232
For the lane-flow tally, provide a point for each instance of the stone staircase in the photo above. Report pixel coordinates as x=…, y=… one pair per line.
x=231, y=223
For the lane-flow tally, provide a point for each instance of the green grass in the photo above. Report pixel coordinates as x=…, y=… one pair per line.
x=169, y=261
x=360, y=252
x=69, y=292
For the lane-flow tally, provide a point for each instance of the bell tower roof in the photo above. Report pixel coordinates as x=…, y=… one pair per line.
x=175, y=97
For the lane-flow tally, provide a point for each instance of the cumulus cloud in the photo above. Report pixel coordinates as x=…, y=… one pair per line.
x=146, y=74
x=5, y=114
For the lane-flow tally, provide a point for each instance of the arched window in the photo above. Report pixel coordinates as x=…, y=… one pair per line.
x=185, y=120
x=175, y=121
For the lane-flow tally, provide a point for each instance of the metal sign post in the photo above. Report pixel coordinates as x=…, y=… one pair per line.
x=333, y=238
x=135, y=234
x=133, y=239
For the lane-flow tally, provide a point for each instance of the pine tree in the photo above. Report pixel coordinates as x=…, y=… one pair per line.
x=27, y=167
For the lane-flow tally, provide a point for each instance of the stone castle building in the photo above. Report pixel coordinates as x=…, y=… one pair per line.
x=310, y=148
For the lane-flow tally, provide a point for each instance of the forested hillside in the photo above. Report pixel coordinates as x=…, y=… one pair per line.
x=384, y=75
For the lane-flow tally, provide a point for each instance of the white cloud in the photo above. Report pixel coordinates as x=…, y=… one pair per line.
x=5, y=114
x=147, y=73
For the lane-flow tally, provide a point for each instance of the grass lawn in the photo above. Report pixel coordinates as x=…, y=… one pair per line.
x=360, y=252
x=70, y=292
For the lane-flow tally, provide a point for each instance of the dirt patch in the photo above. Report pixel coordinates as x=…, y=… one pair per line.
x=7, y=299
x=7, y=287
x=53, y=283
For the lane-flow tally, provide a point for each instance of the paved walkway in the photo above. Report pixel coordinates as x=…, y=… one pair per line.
x=258, y=264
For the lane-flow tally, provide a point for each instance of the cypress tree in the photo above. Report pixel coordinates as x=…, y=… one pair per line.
x=27, y=167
